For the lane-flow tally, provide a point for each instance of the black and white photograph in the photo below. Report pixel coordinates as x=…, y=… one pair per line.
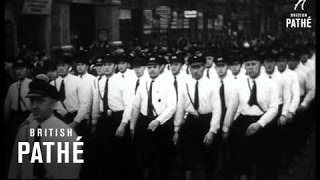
x=159, y=89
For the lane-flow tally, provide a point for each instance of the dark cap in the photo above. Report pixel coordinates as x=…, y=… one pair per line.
x=251, y=54
x=176, y=58
x=41, y=88
x=153, y=59
x=196, y=60
x=83, y=57
x=234, y=56
x=63, y=59
x=138, y=61
x=49, y=65
x=19, y=62
x=108, y=58
x=220, y=57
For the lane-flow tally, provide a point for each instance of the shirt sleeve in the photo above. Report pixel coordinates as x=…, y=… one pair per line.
x=272, y=111
x=178, y=119
x=286, y=97
x=216, y=111
x=136, y=106
x=310, y=91
x=295, y=92
x=127, y=97
x=84, y=98
x=231, y=109
x=95, y=105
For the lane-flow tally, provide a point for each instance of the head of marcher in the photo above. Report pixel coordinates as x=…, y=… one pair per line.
x=197, y=66
x=282, y=59
x=43, y=97
x=303, y=53
x=252, y=64
x=122, y=60
x=293, y=58
x=139, y=65
x=269, y=57
x=98, y=61
x=20, y=67
x=82, y=62
x=63, y=64
x=235, y=61
x=154, y=66
x=109, y=64
x=50, y=68
x=221, y=64
x=176, y=62
x=209, y=55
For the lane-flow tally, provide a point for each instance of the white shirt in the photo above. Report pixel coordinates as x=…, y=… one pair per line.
x=54, y=170
x=212, y=72
x=118, y=98
x=127, y=76
x=77, y=96
x=89, y=80
x=209, y=102
x=163, y=100
x=306, y=88
x=294, y=89
x=267, y=98
x=11, y=101
x=229, y=87
x=283, y=83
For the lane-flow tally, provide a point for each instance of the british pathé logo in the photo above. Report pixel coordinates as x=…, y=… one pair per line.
x=301, y=2
x=298, y=19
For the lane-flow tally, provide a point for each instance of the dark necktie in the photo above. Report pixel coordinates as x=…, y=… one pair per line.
x=62, y=91
x=175, y=83
x=19, y=97
x=270, y=76
x=137, y=85
x=235, y=77
x=39, y=170
x=208, y=75
x=253, y=96
x=105, y=96
x=149, y=108
x=196, y=97
x=222, y=98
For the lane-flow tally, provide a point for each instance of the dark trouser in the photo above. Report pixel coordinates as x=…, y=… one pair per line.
x=112, y=157
x=154, y=150
x=272, y=145
x=222, y=154
x=11, y=131
x=246, y=150
x=196, y=156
